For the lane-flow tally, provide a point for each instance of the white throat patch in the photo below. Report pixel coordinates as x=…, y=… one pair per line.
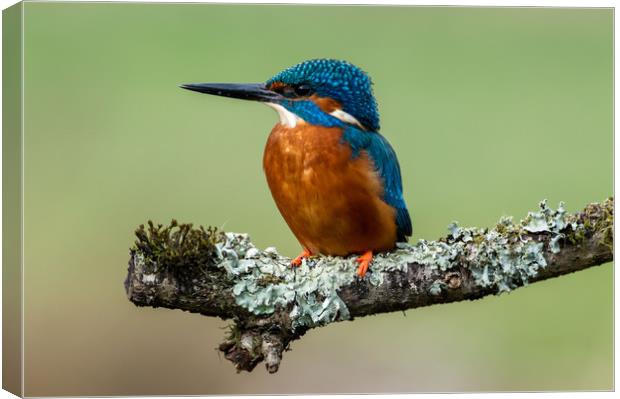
x=287, y=118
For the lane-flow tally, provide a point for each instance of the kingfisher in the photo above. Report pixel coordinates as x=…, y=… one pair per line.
x=334, y=178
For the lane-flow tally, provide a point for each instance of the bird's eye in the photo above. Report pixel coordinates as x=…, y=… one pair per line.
x=302, y=90
x=288, y=91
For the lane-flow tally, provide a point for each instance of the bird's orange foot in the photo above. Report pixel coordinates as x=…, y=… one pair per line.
x=364, y=262
x=297, y=261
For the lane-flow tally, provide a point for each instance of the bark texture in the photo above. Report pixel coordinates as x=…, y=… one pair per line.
x=224, y=275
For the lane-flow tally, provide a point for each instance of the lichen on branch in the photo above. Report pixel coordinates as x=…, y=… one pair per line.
x=225, y=275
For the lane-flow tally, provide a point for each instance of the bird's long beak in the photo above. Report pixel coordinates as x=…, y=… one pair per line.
x=249, y=91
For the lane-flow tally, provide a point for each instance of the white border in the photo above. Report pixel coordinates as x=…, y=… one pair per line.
x=444, y=3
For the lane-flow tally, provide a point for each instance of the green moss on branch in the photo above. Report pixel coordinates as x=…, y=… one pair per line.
x=178, y=248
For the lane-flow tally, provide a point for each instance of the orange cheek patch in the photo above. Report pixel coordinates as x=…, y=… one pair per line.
x=328, y=105
x=276, y=86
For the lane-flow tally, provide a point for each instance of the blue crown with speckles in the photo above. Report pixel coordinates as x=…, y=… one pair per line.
x=338, y=80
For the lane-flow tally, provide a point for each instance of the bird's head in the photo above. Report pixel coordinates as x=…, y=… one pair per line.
x=321, y=92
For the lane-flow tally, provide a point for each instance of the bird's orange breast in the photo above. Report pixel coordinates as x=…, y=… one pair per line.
x=331, y=201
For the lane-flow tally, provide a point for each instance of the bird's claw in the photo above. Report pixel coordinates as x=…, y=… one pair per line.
x=364, y=262
x=297, y=261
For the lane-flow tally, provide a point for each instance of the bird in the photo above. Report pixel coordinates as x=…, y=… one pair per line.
x=334, y=178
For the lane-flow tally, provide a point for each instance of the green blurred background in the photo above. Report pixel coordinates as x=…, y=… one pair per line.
x=489, y=110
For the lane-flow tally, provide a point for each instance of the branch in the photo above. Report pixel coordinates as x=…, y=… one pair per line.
x=271, y=304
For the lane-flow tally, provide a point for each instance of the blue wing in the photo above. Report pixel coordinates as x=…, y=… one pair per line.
x=386, y=163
